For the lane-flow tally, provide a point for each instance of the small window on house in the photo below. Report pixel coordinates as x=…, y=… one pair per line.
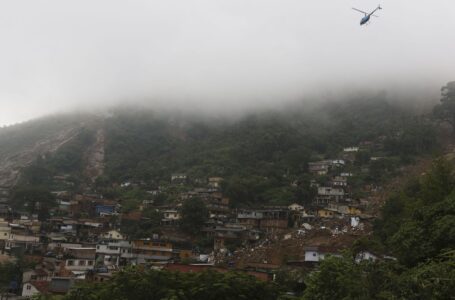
x=82, y=263
x=29, y=287
x=314, y=254
x=70, y=262
x=90, y=262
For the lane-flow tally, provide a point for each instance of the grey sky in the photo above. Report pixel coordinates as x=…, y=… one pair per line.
x=225, y=54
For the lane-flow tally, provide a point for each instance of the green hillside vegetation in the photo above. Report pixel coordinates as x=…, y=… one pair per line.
x=260, y=155
x=263, y=157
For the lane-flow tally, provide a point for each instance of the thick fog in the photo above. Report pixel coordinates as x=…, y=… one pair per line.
x=220, y=55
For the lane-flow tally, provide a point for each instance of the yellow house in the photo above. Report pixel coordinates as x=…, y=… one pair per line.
x=326, y=213
x=152, y=250
x=352, y=210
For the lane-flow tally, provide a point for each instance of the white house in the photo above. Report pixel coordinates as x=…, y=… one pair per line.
x=34, y=288
x=295, y=207
x=112, y=235
x=365, y=255
x=5, y=231
x=79, y=264
x=318, y=253
x=351, y=149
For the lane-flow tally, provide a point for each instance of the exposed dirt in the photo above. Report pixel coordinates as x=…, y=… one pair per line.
x=11, y=165
x=95, y=157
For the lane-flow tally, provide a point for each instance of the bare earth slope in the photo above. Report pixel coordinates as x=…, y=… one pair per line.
x=22, y=144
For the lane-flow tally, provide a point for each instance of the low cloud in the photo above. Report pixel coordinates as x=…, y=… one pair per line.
x=215, y=55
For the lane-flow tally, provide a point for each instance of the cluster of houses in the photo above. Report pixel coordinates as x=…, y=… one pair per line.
x=83, y=240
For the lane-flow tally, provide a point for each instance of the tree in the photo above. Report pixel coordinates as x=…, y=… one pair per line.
x=446, y=110
x=133, y=283
x=194, y=214
x=35, y=199
x=336, y=278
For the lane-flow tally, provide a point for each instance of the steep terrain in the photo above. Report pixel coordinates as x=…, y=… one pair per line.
x=21, y=145
x=263, y=157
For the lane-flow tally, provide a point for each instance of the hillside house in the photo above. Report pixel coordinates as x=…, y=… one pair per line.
x=178, y=178
x=319, y=167
x=5, y=231
x=295, y=207
x=148, y=250
x=215, y=182
x=250, y=218
x=339, y=181
x=315, y=254
x=34, y=288
x=327, y=213
x=329, y=194
x=171, y=217
x=18, y=243
x=351, y=149
x=274, y=220
x=112, y=235
x=351, y=210
x=82, y=259
x=116, y=253
x=36, y=274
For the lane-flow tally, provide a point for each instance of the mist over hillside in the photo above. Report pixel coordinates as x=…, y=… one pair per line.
x=258, y=153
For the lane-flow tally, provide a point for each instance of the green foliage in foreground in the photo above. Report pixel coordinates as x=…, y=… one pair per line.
x=343, y=278
x=136, y=284
x=419, y=223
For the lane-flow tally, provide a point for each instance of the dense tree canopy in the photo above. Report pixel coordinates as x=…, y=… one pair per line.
x=259, y=155
x=135, y=284
x=446, y=109
x=194, y=214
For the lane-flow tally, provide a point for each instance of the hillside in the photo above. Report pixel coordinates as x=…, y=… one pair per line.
x=263, y=157
x=21, y=145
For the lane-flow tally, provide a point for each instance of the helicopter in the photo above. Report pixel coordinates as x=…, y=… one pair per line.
x=367, y=16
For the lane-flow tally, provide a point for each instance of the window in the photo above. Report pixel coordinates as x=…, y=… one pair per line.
x=314, y=254
x=29, y=287
x=70, y=262
x=82, y=263
x=90, y=262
